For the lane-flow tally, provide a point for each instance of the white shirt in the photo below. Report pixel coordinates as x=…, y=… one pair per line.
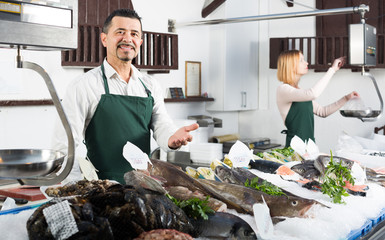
x=287, y=94
x=83, y=96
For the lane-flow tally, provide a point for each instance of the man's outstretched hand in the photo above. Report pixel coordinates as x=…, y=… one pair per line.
x=182, y=136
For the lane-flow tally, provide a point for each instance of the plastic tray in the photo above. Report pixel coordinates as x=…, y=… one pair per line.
x=356, y=234
x=380, y=217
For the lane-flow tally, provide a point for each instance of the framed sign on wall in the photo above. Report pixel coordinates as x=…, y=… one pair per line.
x=193, y=79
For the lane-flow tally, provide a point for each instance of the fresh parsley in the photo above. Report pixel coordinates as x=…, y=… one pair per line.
x=333, y=181
x=194, y=207
x=287, y=152
x=265, y=187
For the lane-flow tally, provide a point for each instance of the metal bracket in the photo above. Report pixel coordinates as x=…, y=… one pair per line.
x=171, y=25
x=50, y=179
x=374, y=118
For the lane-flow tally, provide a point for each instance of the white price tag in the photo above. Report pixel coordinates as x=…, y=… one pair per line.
x=88, y=170
x=263, y=220
x=135, y=156
x=240, y=154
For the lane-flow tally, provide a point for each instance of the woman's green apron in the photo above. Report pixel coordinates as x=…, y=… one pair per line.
x=300, y=122
x=118, y=119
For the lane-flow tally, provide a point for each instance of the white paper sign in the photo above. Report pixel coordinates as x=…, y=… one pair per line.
x=263, y=220
x=307, y=149
x=88, y=169
x=240, y=154
x=135, y=156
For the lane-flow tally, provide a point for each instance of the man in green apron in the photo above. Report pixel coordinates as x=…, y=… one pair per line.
x=115, y=103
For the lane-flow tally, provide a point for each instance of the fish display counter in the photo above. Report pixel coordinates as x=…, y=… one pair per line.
x=351, y=220
x=150, y=205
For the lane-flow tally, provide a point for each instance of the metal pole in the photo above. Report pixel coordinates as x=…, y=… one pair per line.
x=334, y=11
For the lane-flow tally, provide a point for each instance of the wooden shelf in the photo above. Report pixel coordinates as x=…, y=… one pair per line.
x=189, y=99
x=12, y=103
x=38, y=102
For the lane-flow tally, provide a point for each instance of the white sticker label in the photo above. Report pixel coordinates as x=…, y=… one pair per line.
x=135, y=156
x=263, y=220
x=10, y=7
x=60, y=220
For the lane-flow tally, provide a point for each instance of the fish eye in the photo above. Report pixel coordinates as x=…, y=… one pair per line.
x=248, y=233
x=294, y=203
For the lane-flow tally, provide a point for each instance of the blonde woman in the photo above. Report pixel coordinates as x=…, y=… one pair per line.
x=298, y=106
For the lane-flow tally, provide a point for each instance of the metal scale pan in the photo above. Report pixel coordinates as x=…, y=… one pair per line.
x=366, y=115
x=361, y=114
x=27, y=163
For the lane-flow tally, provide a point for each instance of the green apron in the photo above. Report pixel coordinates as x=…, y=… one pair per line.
x=300, y=122
x=118, y=119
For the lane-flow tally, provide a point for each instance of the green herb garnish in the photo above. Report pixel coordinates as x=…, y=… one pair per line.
x=265, y=187
x=333, y=181
x=194, y=207
x=287, y=152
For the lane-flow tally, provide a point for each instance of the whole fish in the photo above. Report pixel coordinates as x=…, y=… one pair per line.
x=322, y=162
x=183, y=193
x=314, y=170
x=240, y=176
x=265, y=165
x=247, y=175
x=136, y=178
x=236, y=197
x=224, y=226
x=306, y=169
x=243, y=198
x=171, y=175
x=229, y=175
x=236, y=175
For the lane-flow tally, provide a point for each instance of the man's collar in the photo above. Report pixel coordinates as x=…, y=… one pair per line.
x=110, y=71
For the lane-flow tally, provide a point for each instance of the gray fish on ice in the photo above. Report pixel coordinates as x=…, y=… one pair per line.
x=224, y=226
x=243, y=198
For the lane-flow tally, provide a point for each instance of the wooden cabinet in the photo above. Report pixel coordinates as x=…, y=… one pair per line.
x=233, y=73
x=338, y=25
x=159, y=51
x=331, y=40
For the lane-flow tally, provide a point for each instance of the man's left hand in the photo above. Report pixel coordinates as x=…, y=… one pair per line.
x=182, y=136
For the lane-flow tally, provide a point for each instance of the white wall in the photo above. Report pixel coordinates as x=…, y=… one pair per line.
x=32, y=126
x=267, y=122
x=193, y=46
x=29, y=127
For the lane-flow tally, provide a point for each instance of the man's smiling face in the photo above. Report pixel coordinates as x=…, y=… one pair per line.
x=123, y=39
